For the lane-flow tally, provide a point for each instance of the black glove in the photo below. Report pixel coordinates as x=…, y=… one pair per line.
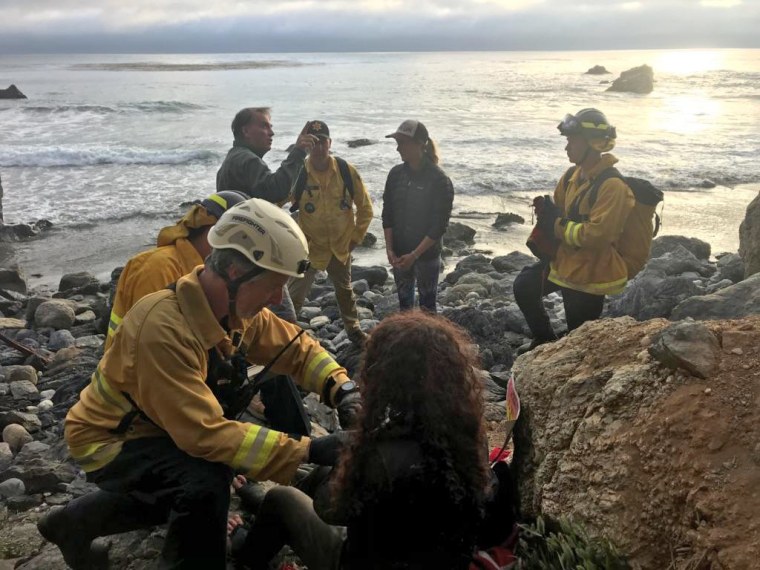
x=326, y=449
x=547, y=213
x=349, y=407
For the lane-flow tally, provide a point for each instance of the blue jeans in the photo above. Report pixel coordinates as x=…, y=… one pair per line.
x=425, y=273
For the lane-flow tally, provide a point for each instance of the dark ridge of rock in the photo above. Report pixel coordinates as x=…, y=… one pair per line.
x=505, y=220
x=734, y=302
x=356, y=143
x=458, y=232
x=664, y=244
x=370, y=240
x=749, y=238
x=635, y=80
x=12, y=92
x=19, y=232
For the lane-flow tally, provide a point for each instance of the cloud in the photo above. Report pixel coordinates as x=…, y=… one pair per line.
x=371, y=25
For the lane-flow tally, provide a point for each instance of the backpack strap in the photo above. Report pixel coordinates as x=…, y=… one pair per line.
x=567, y=176
x=603, y=176
x=300, y=184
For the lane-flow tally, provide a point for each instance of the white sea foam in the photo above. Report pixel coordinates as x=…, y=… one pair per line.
x=84, y=156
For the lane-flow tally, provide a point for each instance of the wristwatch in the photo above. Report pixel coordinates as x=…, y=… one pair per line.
x=345, y=389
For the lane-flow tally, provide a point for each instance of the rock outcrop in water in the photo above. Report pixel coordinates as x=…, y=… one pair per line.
x=749, y=238
x=597, y=70
x=12, y=92
x=635, y=80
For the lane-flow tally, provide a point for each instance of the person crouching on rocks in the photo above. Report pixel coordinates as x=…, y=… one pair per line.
x=410, y=485
x=417, y=204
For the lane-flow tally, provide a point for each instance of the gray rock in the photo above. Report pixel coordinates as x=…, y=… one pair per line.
x=734, y=302
x=6, y=456
x=717, y=286
x=56, y=314
x=319, y=322
x=90, y=341
x=308, y=313
x=60, y=339
x=21, y=373
x=360, y=286
x=375, y=275
x=749, y=238
x=355, y=143
x=12, y=488
x=12, y=92
x=77, y=281
x=677, y=261
x=457, y=231
x=364, y=313
x=506, y=220
x=731, y=266
x=649, y=296
x=45, y=405
x=512, y=262
x=635, y=80
x=47, y=394
x=369, y=240
x=597, y=70
x=687, y=345
x=30, y=422
x=13, y=279
x=664, y=244
x=24, y=390
x=10, y=323
x=84, y=317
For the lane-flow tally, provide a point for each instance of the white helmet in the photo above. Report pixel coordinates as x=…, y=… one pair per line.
x=265, y=234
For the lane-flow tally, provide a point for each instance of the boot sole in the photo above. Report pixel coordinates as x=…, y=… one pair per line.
x=95, y=559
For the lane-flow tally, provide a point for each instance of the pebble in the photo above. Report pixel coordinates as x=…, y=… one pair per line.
x=708, y=391
x=737, y=350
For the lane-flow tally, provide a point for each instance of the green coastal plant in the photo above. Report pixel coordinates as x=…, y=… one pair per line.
x=565, y=545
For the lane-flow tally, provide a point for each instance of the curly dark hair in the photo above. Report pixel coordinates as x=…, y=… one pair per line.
x=419, y=378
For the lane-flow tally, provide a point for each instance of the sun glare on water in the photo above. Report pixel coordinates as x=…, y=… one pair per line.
x=687, y=62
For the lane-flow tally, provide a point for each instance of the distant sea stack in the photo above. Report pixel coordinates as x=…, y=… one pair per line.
x=635, y=80
x=597, y=70
x=12, y=92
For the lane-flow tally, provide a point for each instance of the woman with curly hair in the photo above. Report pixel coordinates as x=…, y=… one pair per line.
x=411, y=483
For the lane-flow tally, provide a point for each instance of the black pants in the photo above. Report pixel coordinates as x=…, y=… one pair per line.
x=152, y=481
x=532, y=285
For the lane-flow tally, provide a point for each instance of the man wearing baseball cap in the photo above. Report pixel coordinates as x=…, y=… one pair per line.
x=334, y=213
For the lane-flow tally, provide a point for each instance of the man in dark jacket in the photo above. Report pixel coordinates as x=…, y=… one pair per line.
x=244, y=169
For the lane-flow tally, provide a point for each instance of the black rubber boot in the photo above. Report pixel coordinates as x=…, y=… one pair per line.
x=73, y=528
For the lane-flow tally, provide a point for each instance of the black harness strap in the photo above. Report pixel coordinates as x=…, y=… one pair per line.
x=300, y=185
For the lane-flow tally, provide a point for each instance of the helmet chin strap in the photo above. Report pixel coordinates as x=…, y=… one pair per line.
x=232, y=288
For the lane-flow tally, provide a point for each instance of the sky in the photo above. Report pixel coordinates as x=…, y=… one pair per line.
x=253, y=26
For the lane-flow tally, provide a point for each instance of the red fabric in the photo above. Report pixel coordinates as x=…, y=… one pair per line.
x=499, y=454
x=496, y=558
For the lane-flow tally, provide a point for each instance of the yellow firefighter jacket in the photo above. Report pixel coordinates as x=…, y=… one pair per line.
x=148, y=272
x=159, y=358
x=588, y=258
x=329, y=223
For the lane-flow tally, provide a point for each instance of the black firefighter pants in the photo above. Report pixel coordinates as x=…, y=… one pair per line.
x=151, y=482
x=532, y=285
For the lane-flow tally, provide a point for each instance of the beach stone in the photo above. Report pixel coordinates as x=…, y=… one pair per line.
x=369, y=240
x=597, y=70
x=687, y=345
x=60, y=339
x=30, y=422
x=13, y=279
x=749, y=238
x=308, y=313
x=85, y=317
x=9, y=323
x=6, y=456
x=734, y=302
x=360, y=286
x=45, y=405
x=376, y=275
x=21, y=373
x=47, y=394
x=90, y=341
x=665, y=244
x=356, y=143
x=731, y=266
x=364, y=314
x=458, y=231
x=16, y=436
x=76, y=281
x=55, y=313
x=24, y=390
x=12, y=488
x=650, y=295
x=512, y=262
x=635, y=80
x=319, y=322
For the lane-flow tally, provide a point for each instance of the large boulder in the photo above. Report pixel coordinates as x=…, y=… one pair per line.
x=55, y=314
x=667, y=244
x=638, y=453
x=650, y=296
x=459, y=232
x=12, y=92
x=376, y=275
x=749, y=238
x=635, y=80
x=13, y=280
x=79, y=281
x=512, y=262
x=736, y=301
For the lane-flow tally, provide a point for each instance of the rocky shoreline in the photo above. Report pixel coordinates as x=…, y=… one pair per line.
x=52, y=344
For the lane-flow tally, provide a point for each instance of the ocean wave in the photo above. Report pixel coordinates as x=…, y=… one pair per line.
x=163, y=66
x=69, y=156
x=139, y=107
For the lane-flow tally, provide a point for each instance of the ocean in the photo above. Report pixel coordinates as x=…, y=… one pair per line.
x=107, y=147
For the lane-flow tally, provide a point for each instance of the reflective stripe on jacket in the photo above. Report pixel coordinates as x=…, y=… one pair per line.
x=159, y=357
x=329, y=226
x=588, y=259
x=148, y=272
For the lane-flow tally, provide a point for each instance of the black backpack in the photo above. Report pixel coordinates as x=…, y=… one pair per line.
x=345, y=174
